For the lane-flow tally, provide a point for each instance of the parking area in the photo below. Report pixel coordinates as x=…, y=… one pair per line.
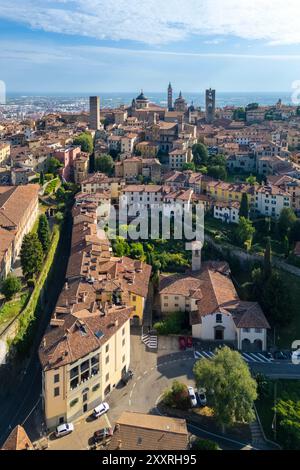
x=82, y=436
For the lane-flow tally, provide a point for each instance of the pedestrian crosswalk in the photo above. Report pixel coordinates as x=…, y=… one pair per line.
x=150, y=341
x=248, y=357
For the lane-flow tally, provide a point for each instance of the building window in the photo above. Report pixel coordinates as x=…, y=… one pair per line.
x=134, y=298
x=123, y=331
x=219, y=318
x=56, y=378
x=123, y=358
x=95, y=387
x=258, y=330
x=107, y=360
x=246, y=330
x=56, y=391
x=107, y=348
x=107, y=377
x=123, y=342
x=73, y=402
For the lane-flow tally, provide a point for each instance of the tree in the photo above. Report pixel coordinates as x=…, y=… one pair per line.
x=251, y=180
x=42, y=178
x=229, y=386
x=217, y=171
x=204, y=444
x=200, y=154
x=288, y=412
x=85, y=141
x=31, y=255
x=53, y=165
x=188, y=166
x=121, y=247
x=275, y=300
x=244, y=207
x=137, y=251
x=295, y=232
x=286, y=221
x=268, y=259
x=286, y=246
x=177, y=396
x=11, y=286
x=104, y=164
x=44, y=232
x=239, y=114
x=244, y=232
x=217, y=160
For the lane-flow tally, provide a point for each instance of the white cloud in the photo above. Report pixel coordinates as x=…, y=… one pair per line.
x=161, y=21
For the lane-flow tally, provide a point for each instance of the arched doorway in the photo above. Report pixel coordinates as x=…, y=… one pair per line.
x=246, y=345
x=135, y=320
x=257, y=345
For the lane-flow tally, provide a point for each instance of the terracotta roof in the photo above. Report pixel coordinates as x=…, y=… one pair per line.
x=18, y=440
x=138, y=431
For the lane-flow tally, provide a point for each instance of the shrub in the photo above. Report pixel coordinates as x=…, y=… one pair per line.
x=177, y=396
x=205, y=444
x=172, y=325
x=11, y=286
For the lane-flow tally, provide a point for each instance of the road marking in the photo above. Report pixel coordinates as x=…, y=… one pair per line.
x=249, y=357
x=146, y=372
x=266, y=358
x=206, y=354
x=133, y=385
x=139, y=378
x=256, y=357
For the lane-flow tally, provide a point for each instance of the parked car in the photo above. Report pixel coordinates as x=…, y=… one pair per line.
x=189, y=342
x=101, y=410
x=102, y=434
x=64, y=429
x=201, y=397
x=192, y=396
x=279, y=355
x=126, y=377
x=182, y=343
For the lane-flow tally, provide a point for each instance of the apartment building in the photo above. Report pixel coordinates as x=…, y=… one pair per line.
x=178, y=158
x=270, y=200
x=132, y=167
x=227, y=211
x=18, y=213
x=289, y=185
x=102, y=182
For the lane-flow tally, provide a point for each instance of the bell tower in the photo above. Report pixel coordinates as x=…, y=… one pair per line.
x=170, y=97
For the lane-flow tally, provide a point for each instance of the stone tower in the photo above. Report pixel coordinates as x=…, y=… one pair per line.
x=210, y=105
x=170, y=97
x=95, y=123
x=196, y=255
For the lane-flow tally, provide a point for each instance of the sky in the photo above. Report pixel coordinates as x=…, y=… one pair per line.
x=94, y=46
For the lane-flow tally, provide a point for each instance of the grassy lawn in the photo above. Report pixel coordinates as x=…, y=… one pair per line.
x=11, y=309
x=287, y=390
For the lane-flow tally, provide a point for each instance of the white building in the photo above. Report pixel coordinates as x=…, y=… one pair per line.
x=216, y=312
x=270, y=200
x=227, y=211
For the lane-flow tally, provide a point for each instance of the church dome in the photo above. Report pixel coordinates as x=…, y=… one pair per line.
x=142, y=97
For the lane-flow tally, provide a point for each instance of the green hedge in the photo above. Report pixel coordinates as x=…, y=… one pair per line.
x=51, y=186
x=27, y=317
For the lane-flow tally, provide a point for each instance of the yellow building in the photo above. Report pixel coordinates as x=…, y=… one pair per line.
x=4, y=152
x=100, y=181
x=228, y=192
x=83, y=355
x=81, y=167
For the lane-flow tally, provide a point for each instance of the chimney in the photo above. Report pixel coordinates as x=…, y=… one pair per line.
x=119, y=444
x=196, y=255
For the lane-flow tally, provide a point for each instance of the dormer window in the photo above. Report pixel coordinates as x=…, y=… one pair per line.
x=218, y=318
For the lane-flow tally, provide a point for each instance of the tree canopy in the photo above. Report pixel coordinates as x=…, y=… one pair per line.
x=229, y=386
x=244, y=232
x=286, y=221
x=85, y=141
x=104, y=164
x=200, y=154
x=244, y=207
x=31, y=255
x=10, y=286
x=44, y=232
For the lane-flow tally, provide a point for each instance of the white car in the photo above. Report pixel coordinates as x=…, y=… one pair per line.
x=64, y=429
x=101, y=410
x=192, y=396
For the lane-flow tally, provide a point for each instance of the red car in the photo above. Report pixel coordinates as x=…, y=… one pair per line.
x=182, y=343
x=189, y=342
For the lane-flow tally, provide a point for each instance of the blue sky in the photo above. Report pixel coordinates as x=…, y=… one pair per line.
x=124, y=45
